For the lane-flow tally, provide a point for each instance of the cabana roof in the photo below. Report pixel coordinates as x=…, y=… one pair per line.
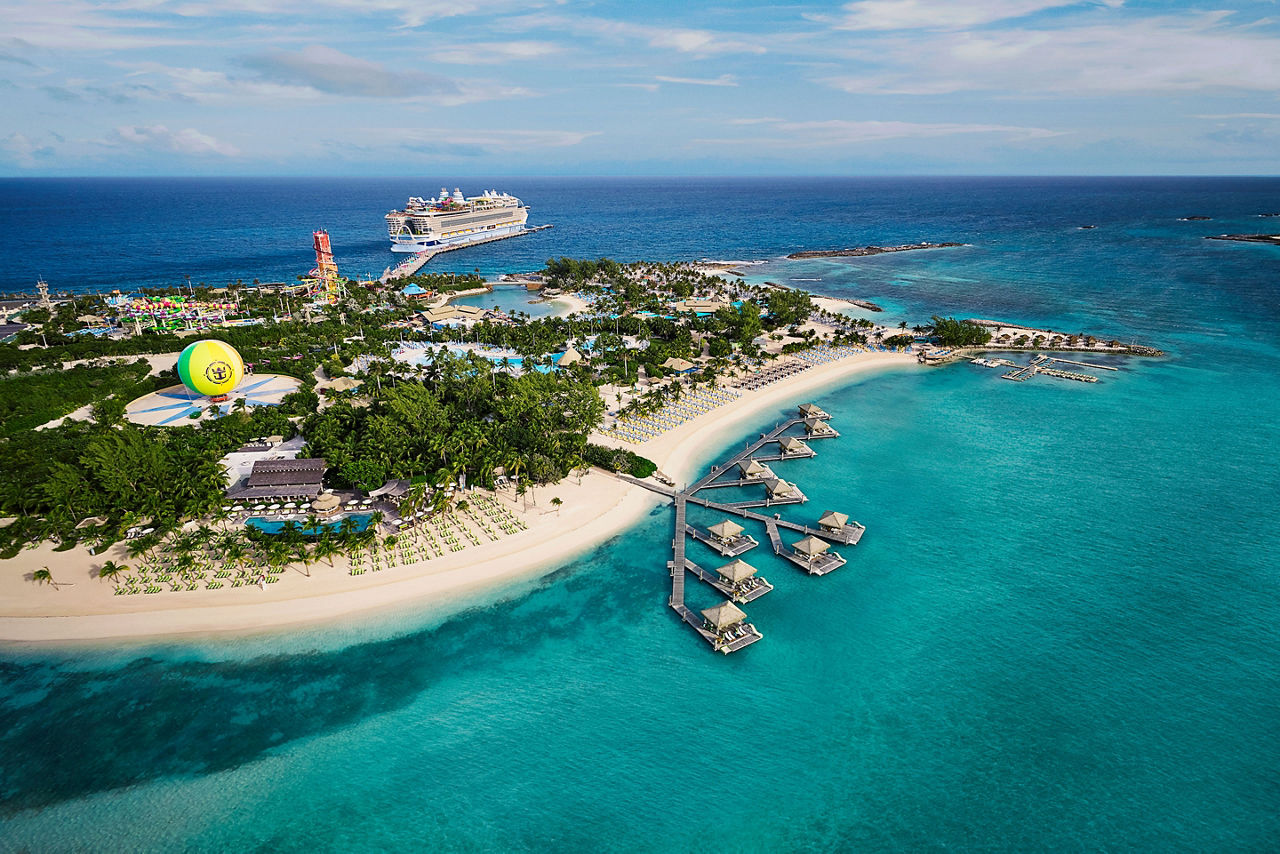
x=832, y=519
x=726, y=530
x=791, y=443
x=724, y=615
x=345, y=384
x=750, y=467
x=816, y=425
x=738, y=570
x=777, y=486
x=570, y=356
x=812, y=410
x=677, y=364
x=325, y=502
x=391, y=489
x=811, y=546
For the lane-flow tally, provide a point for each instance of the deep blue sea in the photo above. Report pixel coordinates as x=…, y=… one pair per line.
x=1061, y=631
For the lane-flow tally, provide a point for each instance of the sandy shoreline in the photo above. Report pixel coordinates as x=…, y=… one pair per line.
x=84, y=609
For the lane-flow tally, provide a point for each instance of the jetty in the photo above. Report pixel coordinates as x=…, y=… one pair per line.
x=724, y=627
x=1045, y=365
x=419, y=259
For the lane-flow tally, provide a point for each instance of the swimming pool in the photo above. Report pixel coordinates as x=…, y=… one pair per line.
x=275, y=526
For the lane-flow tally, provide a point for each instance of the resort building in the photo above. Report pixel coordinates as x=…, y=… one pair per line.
x=282, y=480
x=754, y=470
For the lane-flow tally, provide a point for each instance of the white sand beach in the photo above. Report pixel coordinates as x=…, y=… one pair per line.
x=83, y=608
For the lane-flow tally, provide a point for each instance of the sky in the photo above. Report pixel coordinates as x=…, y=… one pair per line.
x=573, y=87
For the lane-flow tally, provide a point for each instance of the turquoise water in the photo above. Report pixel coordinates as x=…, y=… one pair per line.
x=1059, y=632
x=275, y=526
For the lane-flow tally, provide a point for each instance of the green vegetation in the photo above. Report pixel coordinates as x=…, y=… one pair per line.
x=619, y=460
x=959, y=333
x=31, y=399
x=444, y=283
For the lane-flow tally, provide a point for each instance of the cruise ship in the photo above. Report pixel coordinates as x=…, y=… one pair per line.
x=452, y=220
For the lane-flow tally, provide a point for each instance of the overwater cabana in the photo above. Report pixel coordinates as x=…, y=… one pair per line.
x=839, y=527
x=778, y=491
x=812, y=410
x=814, y=555
x=816, y=428
x=727, y=624
x=754, y=470
x=726, y=537
x=790, y=446
x=741, y=581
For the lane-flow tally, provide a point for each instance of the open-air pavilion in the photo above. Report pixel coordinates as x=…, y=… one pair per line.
x=726, y=622
x=812, y=410
x=814, y=555
x=816, y=428
x=754, y=470
x=726, y=537
x=790, y=446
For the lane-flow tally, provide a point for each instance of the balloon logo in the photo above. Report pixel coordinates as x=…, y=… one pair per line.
x=211, y=368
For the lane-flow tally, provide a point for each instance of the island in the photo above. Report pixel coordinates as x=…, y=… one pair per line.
x=197, y=461
x=1270, y=239
x=862, y=251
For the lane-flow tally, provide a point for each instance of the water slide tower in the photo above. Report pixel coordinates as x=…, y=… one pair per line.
x=324, y=278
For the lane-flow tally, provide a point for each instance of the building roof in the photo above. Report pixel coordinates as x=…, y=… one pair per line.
x=328, y=501
x=345, y=384
x=570, y=356
x=777, y=486
x=724, y=615
x=677, y=364
x=816, y=425
x=750, y=467
x=811, y=546
x=812, y=409
x=832, y=519
x=791, y=443
x=738, y=570
x=726, y=530
x=391, y=489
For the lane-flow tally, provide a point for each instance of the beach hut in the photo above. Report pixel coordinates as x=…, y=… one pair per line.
x=812, y=410
x=570, y=356
x=754, y=470
x=326, y=504
x=723, y=617
x=680, y=366
x=345, y=384
x=726, y=531
x=833, y=521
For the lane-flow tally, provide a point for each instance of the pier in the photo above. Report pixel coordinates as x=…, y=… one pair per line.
x=1045, y=365
x=724, y=627
x=420, y=259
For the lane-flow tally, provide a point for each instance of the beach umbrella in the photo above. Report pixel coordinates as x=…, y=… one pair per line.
x=259, y=507
x=238, y=507
x=290, y=506
x=274, y=507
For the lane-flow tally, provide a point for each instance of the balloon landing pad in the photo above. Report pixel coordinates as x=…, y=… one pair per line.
x=175, y=406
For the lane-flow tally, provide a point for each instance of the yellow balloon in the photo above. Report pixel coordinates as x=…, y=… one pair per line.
x=211, y=368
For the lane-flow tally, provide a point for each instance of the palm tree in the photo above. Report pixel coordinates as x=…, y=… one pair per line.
x=44, y=576
x=111, y=569
x=556, y=502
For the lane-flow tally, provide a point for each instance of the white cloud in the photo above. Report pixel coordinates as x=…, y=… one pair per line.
x=834, y=132
x=486, y=53
x=722, y=80
x=336, y=73
x=940, y=14
x=1152, y=55
x=23, y=151
x=695, y=42
x=1228, y=116
x=160, y=138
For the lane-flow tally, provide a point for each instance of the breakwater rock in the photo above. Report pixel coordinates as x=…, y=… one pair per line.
x=861, y=251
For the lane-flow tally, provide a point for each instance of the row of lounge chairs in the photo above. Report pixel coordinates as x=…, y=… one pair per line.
x=773, y=374
x=672, y=415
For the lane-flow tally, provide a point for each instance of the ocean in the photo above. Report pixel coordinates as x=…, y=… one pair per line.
x=1059, y=632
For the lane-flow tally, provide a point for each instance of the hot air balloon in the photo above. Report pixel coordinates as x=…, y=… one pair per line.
x=211, y=368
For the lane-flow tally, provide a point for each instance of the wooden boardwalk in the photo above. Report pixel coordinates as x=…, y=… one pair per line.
x=742, y=634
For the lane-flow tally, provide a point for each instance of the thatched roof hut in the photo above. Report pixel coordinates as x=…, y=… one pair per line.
x=726, y=530
x=724, y=616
